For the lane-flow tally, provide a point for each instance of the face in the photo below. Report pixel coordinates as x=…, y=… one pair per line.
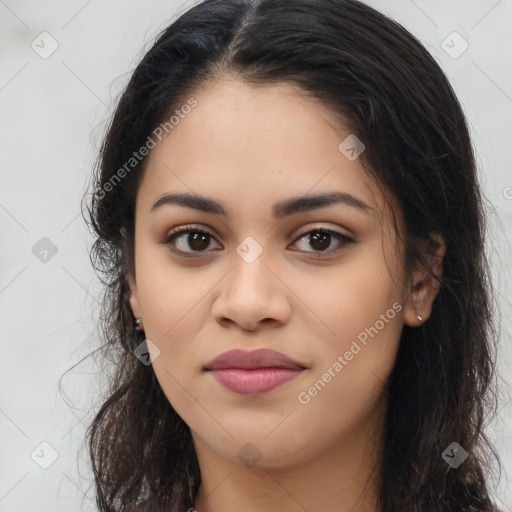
x=264, y=277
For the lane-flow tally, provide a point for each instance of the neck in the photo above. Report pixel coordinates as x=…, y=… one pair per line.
x=346, y=479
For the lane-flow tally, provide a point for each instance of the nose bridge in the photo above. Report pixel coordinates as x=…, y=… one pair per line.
x=251, y=291
x=251, y=263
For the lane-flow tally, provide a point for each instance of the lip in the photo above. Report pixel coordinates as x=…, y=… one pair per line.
x=253, y=372
x=251, y=360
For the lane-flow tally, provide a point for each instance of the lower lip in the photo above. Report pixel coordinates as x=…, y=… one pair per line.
x=254, y=382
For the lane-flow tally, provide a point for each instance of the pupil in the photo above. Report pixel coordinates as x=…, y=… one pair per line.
x=195, y=244
x=323, y=238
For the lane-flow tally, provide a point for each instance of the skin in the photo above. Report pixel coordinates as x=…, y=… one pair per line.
x=249, y=147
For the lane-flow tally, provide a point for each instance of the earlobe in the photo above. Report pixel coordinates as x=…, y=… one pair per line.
x=423, y=288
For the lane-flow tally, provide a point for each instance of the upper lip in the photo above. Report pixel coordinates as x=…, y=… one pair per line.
x=260, y=358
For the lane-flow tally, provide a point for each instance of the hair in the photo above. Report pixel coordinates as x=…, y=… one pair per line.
x=391, y=93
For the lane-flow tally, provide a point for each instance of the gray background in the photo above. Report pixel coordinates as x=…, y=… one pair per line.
x=53, y=112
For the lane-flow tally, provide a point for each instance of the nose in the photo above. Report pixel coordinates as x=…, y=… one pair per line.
x=253, y=295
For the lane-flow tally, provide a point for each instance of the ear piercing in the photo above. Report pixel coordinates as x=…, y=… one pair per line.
x=419, y=318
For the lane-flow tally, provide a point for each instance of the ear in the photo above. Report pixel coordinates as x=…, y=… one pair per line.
x=134, y=296
x=423, y=288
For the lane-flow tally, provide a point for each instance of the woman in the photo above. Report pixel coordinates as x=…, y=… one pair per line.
x=289, y=222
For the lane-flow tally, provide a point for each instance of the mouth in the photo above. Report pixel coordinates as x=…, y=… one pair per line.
x=255, y=372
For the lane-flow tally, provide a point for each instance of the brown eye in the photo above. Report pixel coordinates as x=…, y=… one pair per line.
x=190, y=241
x=189, y=237
x=320, y=239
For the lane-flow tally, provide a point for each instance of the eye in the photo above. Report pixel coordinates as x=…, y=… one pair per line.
x=199, y=240
x=321, y=238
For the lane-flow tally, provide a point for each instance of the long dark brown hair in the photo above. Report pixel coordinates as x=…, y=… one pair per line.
x=392, y=94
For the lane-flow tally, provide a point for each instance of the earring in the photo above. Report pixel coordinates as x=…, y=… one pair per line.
x=419, y=318
x=138, y=322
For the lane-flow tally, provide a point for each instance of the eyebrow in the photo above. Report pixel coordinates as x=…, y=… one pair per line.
x=279, y=210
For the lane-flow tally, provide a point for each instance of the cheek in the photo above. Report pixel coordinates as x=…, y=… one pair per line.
x=171, y=295
x=345, y=390
x=341, y=302
x=175, y=307
x=361, y=323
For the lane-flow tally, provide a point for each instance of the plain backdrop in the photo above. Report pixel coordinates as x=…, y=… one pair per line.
x=63, y=64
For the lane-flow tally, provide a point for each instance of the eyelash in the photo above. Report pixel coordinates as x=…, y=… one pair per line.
x=345, y=240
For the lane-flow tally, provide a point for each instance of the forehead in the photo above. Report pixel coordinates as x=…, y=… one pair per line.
x=254, y=146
